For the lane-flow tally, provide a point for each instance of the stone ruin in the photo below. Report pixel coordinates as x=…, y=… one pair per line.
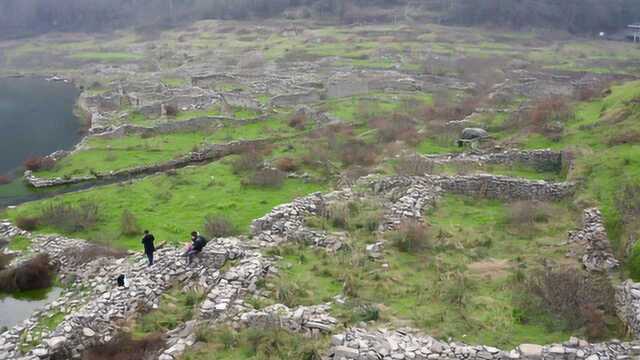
x=362, y=344
x=593, y=236
x=95, y=320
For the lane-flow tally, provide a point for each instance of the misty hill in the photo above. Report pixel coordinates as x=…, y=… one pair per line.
x=28, y=17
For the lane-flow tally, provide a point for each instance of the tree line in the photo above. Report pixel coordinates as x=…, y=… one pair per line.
x=575, y=16
x=27, y=17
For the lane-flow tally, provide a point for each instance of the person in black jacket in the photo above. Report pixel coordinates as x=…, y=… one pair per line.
x=149, y=248
x=198, y=243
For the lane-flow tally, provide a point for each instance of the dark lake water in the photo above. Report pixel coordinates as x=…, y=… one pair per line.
x=36, y=119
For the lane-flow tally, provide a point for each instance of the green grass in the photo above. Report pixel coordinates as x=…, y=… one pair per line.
x=176, y=307
x=105, y=155
x=419, y=288
x=46, y=324
x=173, y=206
x=602, y=166
x=20, y=243
x=255, y=343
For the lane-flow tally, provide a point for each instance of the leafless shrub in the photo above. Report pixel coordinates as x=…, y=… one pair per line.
x=38, y=163
x=627, y=137
x=123, y=347
x=266, y=178
x=548, y=116
x=4, y=180
x=414, y=165
x=28, y=223
x=129, y=224
x=251, y=160
x=298, y=120
x=578, y=298
x=171, y=110
x=337, y=214
x=358, y=152
x=70, y=218
x=85, y=254
x=527, y=213
x=216, y=226
x=35, y=273
x=412, y=236
x=286, y=164
x=397, y=127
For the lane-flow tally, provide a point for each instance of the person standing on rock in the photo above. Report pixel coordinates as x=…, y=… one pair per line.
x=149, y=248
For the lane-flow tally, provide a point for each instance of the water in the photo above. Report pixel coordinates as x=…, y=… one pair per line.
x=16, y=308
x=36, y=119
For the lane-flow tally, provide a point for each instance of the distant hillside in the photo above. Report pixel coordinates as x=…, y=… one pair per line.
x=28, y=17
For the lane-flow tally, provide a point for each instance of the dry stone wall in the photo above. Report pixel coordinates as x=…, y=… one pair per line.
x=504, y=187
x=628, y=305
x=362, y=344
x=593, y=235
x=541, y=160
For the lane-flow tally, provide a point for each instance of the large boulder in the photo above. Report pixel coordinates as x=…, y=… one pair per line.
x=474, y=134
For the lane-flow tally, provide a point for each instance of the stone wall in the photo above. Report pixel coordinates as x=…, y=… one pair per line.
x=296, y=99
x=504, y=187
x=541, y=160
x=308, y=320
x=361, y=344
x=210, y=153
x=628, y=306
x=483, y=185
x=593, y=236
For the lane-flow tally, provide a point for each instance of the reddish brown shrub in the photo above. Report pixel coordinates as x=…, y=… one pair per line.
x=171, y=110
x=629, y=137
x=547, y=116
x=398, y=127
x=251, y=160
x=37, y=163
x=286, y=164
x=36, y=273
x=27, y=223
x=298, y=120
x=357, y=152
x=4, y=180
x=123, y=347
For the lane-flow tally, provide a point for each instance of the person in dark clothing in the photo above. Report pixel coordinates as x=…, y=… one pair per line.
x=149, y=248
x=198, y=243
